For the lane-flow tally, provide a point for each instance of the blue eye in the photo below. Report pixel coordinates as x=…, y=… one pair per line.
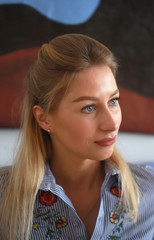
x=113, y=102
x=89, y=109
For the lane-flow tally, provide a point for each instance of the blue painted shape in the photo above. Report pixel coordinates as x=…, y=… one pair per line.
x=63, y=11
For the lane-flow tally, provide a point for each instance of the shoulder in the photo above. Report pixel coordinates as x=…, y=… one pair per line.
x=4, y=171
x=4, y=176
x=144, y=177
x=142, y=170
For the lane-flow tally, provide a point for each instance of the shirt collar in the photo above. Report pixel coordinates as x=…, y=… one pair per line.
x=111, y=169
x=49, y=181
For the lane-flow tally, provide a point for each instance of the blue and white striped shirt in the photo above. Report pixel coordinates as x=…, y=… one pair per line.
x=56, y=218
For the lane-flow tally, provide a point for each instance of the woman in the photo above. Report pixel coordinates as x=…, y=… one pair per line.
x=68, y=181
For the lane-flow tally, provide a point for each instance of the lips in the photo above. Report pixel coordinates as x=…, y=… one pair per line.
x=106, y=142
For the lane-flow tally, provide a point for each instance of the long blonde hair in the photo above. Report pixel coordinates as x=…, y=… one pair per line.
x=47, y=82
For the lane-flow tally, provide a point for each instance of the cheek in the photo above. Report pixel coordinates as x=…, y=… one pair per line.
x=77, y=131
x=81, y=129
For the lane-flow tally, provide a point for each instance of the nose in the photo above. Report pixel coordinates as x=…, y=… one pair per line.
x=110, y=121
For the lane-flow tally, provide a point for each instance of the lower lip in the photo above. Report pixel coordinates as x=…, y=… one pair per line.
x=106, y=142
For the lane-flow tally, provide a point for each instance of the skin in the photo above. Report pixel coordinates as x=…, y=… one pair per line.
x=75, y=126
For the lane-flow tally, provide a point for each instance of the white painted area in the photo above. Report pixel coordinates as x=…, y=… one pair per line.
x=135, y=148
x=8, y=145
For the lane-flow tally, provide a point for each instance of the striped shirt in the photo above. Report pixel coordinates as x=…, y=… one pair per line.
x=55, y=217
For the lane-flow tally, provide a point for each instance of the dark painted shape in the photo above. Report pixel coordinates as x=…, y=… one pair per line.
x=126, y=27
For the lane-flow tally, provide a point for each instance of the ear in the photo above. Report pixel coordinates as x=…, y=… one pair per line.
x=42, y=118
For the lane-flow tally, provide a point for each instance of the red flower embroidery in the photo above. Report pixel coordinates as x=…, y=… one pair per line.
x=61, y=222
x=114, y=218
x=116, y=191
x=48, y=198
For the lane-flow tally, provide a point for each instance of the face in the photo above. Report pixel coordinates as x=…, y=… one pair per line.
x=87, y=120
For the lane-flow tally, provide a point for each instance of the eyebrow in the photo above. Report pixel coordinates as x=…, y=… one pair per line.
x=82, y=98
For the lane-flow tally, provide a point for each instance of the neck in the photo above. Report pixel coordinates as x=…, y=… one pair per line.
x=76, y=174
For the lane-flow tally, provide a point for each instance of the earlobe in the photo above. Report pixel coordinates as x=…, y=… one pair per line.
x=42, y=118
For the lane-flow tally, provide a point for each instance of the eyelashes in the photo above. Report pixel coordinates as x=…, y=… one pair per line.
x=92, y=107
x=113, y=102
x=89, y=108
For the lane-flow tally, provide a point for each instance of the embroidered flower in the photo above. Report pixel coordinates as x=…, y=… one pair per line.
x=35, y=226
x=61, y=222
x=113, y=238
x=116, y=191
x=114, y=218
x=48, y=198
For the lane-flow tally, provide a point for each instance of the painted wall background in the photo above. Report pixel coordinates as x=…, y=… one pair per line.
x=126, y=27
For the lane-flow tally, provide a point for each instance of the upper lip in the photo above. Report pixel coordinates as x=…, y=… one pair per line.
x=106, y=139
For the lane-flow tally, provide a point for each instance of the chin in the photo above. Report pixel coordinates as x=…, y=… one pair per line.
x=103, y=155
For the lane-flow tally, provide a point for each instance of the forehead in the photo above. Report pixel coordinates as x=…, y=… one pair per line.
x=92, y=81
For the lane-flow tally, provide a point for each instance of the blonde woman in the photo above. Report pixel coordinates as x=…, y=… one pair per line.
x=68, y=181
